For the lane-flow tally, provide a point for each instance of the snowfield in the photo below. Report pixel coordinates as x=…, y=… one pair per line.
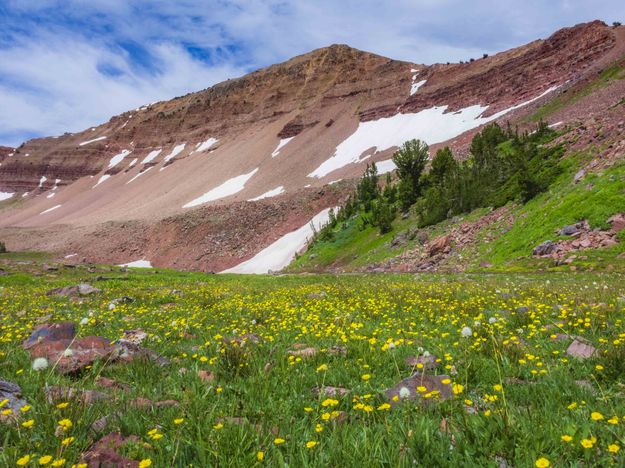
x=281, y=145
x=279, y=254
x=229, y=187
x=271, y=193
x=415, y=86
x=6, y=195
x=433, y=125
x=92, y=141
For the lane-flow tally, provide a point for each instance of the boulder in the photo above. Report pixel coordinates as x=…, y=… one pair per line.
x=581, y=349
x=11, y=392
x=73, y=291
x=439, y=245
x=545, y=248
x=65, y=331
x=422, y=361
x=70, y=357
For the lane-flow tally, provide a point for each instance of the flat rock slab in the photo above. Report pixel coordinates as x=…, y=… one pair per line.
x=73, y=291
x=50, y=332
x=407, y=389
x=581, y=349
x=104, y=453
x=69, y=357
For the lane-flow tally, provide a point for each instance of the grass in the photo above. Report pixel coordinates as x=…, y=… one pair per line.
x=380, y=320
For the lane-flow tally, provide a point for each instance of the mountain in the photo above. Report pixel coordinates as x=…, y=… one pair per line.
x=208, y=180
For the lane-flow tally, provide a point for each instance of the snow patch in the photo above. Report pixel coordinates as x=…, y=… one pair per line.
x=102, y=179
x=151, y=156
x=385, y=166
x=279, y=254
x=133, y=162
x=271, y=193
x=42, y=181
x=229, y=187
x=137, y=264
x=6, y=195
x=175, y=152
x=433, y=125
x=50, y=209
x=115, y=160
x=139, y=175
x=71, y=255
x=91, y=141
x=205, y=145
x=283, y=142
x=415, y=86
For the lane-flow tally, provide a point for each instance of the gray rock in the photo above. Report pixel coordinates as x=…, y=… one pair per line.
x=545, y=248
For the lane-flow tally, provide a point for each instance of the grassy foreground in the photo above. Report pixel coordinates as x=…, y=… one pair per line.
x=518, y=398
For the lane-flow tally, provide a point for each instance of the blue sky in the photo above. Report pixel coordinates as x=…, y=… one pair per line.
x=67, y=65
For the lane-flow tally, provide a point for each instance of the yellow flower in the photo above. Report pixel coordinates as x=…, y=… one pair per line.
x=384, y=406
x=599, y=367
x=25, y=408
x=65, y=424
x=329, y=402
x=499, y=388
x=365, y=377
x=542, y=463
x=596, y=416
x=145, y=463
x=218, y=426
x=28, y=423
x=219, y=389
x=157, y=437
x=588, y=443
x=318, y=428
x=446, y=381
x=4, y=402
x=308, y=409
x=310, y=444
x=68, y=440
x=260, y=456
x=58, y=462
x=62, y=405
x=45, y=459
x=457, y=389
x=322, y=367
x=152, y=431
x=178, y=421
x=279, y=441
x=572, y=406
x=566, y=438
x=421, y=389
x=613, y=420
x=24, y=460
x=613, y=448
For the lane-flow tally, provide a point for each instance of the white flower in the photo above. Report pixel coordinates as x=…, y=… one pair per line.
x=466, y=332
x=391, y=345
x=477, y=323
x=404, y=392
x=111, y=306
x=492, y=320
x=68, y=353
x=40, y=363
x=84, y=321
x=426, y=353
x=253, y=321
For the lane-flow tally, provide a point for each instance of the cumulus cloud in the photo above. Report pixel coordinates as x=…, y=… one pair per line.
x=67, y=65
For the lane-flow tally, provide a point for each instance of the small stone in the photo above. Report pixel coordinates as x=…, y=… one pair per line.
x=581, y=349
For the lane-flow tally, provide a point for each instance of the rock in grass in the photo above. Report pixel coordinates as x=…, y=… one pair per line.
x=51, y=332
x=581, y=349
x=545, y=248
x=56, y=394
x=72, y=356
x=83, y=289
x=418, y=387
x=11, y=392
x=105, y=452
